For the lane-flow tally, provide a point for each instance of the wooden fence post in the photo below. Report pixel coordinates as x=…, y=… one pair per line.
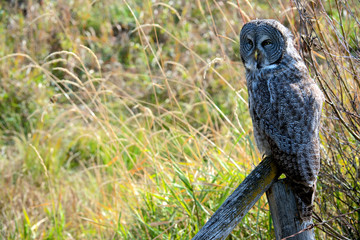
x=281, y=200
x=284, y=213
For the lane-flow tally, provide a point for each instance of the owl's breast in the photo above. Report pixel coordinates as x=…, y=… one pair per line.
x=259, y=106
x=259, y=95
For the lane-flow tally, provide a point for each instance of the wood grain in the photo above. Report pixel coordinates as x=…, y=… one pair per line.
x=284, y=213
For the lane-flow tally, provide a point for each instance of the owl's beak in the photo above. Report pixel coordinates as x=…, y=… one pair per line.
x=256, y=54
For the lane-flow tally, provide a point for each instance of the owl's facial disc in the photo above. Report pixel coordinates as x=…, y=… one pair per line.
x=250, y=54
x=264, y=46
x=261, y=45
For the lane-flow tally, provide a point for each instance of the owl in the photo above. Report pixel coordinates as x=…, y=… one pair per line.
x=285, y=106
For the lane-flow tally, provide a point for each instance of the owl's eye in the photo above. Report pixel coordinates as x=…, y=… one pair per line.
x=266, y=43
x=249, y=43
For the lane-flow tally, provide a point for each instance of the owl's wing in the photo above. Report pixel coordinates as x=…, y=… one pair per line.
x=293, y=113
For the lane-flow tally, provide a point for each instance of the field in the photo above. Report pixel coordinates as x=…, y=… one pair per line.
x=129, y=119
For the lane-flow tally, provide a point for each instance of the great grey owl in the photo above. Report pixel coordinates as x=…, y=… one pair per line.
x=285, y=106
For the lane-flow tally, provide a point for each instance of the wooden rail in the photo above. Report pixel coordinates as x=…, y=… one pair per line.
x=246, y=195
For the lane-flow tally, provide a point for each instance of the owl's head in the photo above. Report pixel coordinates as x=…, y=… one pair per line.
x=263, y=43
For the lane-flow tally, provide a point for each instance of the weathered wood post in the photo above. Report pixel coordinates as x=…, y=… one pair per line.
x=284, y=213
x=281, y=201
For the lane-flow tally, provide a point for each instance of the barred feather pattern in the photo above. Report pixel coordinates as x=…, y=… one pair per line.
x=285, y=106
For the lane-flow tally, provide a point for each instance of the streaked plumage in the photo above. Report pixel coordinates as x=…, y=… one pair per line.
x=285, y=105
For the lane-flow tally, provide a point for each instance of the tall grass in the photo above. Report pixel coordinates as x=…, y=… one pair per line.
x=330, y=42
x=129, y=120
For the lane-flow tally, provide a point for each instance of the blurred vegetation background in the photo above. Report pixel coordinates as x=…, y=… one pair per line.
x=129, y=120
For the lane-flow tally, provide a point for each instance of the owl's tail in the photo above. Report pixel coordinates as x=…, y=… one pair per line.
x=304, y=196
x=301, y=170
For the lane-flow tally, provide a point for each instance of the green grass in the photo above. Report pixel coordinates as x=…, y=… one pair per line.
x=126, y=120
